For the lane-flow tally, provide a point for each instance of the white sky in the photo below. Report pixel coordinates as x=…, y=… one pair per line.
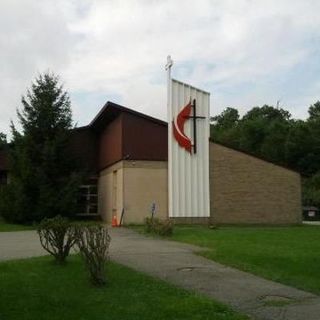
x=246, y=53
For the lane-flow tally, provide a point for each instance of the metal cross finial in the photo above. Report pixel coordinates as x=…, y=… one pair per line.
x=169, y=62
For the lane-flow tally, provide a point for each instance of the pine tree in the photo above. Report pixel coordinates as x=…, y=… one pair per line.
x=43, y=180
x=3, y=139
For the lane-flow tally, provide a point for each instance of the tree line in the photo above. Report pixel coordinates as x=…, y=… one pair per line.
x=271, y=133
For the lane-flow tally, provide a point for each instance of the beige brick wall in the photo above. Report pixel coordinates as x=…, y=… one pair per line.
x=110, y=192
x=145, y=182
x=244, y=189
x=134, y=186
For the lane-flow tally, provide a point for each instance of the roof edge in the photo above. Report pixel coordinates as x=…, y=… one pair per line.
x=127, y=110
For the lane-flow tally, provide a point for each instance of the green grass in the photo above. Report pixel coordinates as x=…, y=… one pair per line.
x=289, y=255
x=5, y=227
x=39, y=289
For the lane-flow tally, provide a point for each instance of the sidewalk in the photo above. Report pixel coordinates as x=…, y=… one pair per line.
x=20, y=244
x=176, y=263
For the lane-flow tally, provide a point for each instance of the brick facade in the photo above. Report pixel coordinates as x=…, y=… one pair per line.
x=245, y=189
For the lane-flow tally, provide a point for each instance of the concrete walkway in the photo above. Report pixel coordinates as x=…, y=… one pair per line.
x=20, y=244
x=176, y=263
x=312, y=223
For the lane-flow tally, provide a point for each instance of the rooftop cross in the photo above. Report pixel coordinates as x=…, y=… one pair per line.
x=169, y=62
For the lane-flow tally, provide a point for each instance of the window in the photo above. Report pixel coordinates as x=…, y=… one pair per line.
x=88, y=200
x=3, y=178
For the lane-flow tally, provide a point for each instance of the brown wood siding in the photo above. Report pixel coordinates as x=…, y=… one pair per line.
x=144, y=139
x=83, y=148
x=110, y=143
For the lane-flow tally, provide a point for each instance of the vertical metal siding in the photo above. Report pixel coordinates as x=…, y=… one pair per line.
x=188, y=173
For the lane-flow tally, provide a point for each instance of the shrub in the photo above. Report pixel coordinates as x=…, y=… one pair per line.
x=149, y=224
x=10, y=204
x=160, y=227
x=57, y=236
x=93, y=241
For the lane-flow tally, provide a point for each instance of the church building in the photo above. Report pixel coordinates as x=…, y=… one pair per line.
x=126, y=156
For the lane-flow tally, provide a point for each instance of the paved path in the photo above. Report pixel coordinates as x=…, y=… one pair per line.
x=176, y=263
x=20, y=244
x=312, y=223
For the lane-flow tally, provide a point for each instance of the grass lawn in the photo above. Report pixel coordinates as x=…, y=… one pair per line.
x=289, y=255
x=39, y=289
x=4, y=226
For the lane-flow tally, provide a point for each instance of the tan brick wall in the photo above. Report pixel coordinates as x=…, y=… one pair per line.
x=134, y=186
x=145, y=182
x=244, y=189
x=110, y=192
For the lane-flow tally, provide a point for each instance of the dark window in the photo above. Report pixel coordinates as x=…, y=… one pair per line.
x=88, y=200
x=3, y=177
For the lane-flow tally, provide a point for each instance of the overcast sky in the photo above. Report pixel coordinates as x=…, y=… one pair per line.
x=246, y=53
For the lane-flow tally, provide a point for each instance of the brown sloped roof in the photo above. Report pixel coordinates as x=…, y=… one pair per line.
x=111, y=110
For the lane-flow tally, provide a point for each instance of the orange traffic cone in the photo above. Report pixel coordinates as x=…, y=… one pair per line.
x=114, y=221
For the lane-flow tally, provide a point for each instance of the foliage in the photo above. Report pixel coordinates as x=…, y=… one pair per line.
x=93, y=241
x=311, y=190
x=227, y=119
x=12, y=199
x=3, y=140
x=8, y=227
x=314, y=112
x=160, y=227
x=57, y=236
x=283, y=254
x=148, y=222
x=44, y=180
x=272, y=134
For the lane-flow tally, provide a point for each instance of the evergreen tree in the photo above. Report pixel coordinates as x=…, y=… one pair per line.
x=43, y=178
x=3, y=139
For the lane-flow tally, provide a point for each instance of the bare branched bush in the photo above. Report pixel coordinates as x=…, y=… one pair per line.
x=57, y=236
x=93, y=241
x=159, y=227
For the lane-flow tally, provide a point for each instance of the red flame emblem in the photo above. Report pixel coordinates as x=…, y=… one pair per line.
x=178, y=127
